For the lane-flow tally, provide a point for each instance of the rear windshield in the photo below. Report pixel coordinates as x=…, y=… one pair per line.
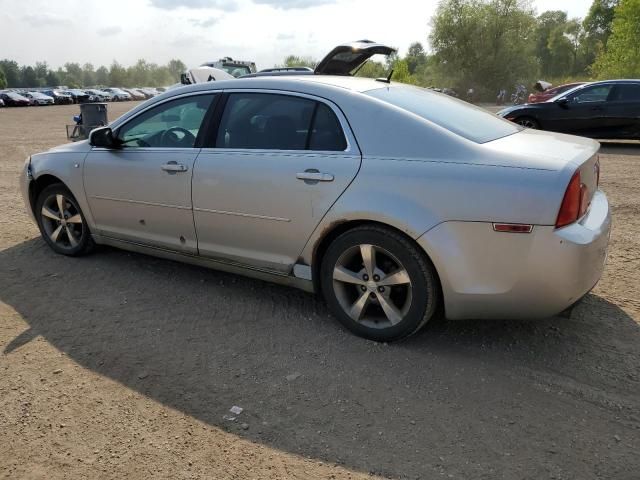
x=461, y=118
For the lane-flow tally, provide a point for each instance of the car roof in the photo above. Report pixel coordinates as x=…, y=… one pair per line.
x=327, y=86
x=357, y=84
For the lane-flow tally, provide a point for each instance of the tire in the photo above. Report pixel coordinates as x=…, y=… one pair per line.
x=528, y=122
x=394, y=303
x=66, y=234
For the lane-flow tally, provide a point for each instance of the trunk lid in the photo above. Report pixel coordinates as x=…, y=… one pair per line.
x=344, y=59
x=542, y=150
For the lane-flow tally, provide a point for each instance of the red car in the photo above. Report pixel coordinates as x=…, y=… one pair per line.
x=552, y=92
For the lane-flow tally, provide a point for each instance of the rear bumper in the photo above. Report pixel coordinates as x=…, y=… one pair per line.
x=485, y=274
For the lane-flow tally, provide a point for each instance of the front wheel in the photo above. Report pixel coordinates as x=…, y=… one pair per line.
x=378, y=283
x=61, y=221
x=528, y=122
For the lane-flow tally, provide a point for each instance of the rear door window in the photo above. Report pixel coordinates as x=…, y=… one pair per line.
x=267, y=121
x=627, y=92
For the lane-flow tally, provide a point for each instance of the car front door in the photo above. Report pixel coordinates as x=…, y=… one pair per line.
x=583, y=113
x=141, y=192
x=277, y=164
x=623, y=112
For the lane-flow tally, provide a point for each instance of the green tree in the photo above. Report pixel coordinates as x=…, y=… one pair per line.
x=71, y=75
x=372, y=69
x=598, y=21
x=296, y=61
x=52, y=79
x=416, y=57
x=176, y=68
x=41, y=69
x=484, y=44
x=102, y=76
x=117, y=75
x=29, y=78
x=88, y=75
x=621, y=58
x=11, y=71
x=3, y=79
x=549, y=36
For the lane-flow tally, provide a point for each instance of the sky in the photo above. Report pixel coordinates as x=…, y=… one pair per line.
x=195, y=31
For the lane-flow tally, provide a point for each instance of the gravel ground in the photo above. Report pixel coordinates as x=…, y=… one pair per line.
x=119, y=365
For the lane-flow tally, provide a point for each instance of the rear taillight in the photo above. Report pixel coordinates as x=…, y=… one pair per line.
x=574, y=196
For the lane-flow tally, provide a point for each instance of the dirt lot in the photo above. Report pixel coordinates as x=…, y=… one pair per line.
x=123, y=366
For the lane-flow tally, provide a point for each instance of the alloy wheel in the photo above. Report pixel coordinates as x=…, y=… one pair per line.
x=527, y=123
x=62, y=221
x=372, y=286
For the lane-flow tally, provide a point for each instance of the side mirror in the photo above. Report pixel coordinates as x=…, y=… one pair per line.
x=103, y=138
x=184, y=79
x=563, y=102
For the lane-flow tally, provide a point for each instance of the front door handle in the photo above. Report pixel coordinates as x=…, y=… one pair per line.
x=174, y=167
x=312, y=175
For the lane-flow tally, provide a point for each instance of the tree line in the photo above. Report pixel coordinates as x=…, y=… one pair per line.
x=486, y=45
x=74, y=75
x=489, y=45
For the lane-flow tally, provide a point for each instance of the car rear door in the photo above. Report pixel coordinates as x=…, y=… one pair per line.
x=141, y=192
x=623, y=111
x=277, y=161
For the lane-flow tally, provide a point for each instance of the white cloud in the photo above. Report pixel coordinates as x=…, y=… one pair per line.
x=108, y=31
x=290, y=4
x=226, y=5
x=204, y=22
x=46, y=19
x=285, y=36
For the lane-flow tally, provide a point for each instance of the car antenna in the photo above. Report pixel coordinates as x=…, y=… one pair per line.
x=387, y=79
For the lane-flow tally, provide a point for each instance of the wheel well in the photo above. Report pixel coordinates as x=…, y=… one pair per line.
x=39, y=184
x=343, y=227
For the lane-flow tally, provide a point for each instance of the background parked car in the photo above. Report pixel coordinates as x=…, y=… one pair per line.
x=38, y=98
x=98, y=96
x=13, y=99
x=135, y=94
x=608, y=109
x=1, y=103
x=79, y=96
x=58, y=97
x=118, y=95
x=549, y=93
x=148, y=91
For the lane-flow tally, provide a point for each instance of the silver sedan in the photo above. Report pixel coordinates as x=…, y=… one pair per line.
x=392, y=201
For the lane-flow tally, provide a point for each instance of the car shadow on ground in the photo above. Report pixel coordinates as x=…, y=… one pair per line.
x=201, y=341
x=610, y=147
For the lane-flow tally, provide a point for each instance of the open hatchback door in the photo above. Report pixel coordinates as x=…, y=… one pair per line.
x=346, y=58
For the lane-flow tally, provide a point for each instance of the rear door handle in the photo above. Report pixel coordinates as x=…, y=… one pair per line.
x=174, y=167
x=312, y=176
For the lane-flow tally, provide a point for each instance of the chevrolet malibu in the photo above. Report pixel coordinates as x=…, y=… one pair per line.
x=392, y=201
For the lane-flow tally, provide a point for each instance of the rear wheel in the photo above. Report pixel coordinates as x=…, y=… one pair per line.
x=528, y=122
x=61, y=221
x=378, y=283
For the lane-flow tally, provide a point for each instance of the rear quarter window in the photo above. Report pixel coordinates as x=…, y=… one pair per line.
x=461, y=118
